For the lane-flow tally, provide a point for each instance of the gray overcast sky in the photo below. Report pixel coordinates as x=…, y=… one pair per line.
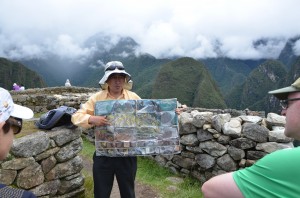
x=163, y=28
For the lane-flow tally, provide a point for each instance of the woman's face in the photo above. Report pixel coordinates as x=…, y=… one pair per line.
x=6, y=140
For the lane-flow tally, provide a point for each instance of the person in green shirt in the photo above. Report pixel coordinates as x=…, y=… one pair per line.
x=275, y=175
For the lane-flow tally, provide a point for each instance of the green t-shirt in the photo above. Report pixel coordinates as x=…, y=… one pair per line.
x=275, y=175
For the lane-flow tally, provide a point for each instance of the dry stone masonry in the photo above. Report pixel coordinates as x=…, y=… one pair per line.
x=44, y=99
x=213, y=141
x=213, y=144
x=46, y=163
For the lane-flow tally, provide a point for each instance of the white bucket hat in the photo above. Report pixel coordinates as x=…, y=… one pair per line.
x=8, y=108
x=115, y=67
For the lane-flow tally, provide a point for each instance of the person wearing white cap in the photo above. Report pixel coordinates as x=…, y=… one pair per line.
x=276, y=174
x=11, y=116
x=116, y=84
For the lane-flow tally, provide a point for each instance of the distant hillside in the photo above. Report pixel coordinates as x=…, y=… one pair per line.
x=253, y=94
x=14, y=72
x=55, y=70
x=293, y=73
x=287, y=55
x=144, y=70
x=238, y=81
x=187, y=80
x=229, y=73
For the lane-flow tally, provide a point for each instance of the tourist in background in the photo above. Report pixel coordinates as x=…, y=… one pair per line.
x=68, y=83
x=275, y=175
x=11, y=116
x=16, y=87
x=22, y=87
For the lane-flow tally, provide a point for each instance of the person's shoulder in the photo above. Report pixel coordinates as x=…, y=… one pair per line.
x=128, y=91
x=99, y=95
x=286, y=152
x=274, y=159
x=132, y=94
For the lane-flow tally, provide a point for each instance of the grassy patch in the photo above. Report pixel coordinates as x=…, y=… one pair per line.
x=88, y=149
x=87, y=154
x=88, y=184
x=149, y=172
x=38, y=115
x=29, y=126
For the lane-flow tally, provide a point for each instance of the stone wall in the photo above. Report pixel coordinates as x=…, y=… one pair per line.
x=213, y=144
x=213, y=141
x=46, y=163
x=44, y=99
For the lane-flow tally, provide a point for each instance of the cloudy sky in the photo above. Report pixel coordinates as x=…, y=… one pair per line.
x=163, y=28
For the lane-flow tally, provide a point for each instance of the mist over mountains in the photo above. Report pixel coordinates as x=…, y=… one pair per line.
x=219, y=82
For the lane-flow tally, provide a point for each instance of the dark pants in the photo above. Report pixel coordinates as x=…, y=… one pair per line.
x=104, y=170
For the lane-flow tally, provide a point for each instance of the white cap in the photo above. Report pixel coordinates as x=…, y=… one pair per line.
x=8, y=108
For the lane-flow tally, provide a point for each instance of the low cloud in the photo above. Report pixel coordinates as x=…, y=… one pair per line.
x=66, y=47
x=20, y=47
x=100, y=65
x=296, y=48
x=199, y=29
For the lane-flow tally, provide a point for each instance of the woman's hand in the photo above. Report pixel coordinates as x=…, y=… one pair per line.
x=98, y=120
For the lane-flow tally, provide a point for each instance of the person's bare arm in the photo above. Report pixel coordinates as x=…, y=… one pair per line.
x=221, y=186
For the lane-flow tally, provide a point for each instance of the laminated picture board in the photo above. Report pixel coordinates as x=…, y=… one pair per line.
x=137, y=127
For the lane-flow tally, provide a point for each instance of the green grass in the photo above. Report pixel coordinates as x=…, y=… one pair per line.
x=149, y=173
x=38, y=115
x=87, y=153
x=29, y=126
x=88, y=184
x=88, y=148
